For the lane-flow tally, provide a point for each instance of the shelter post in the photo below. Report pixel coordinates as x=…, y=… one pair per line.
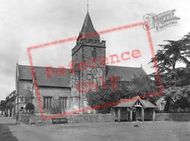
x=153, y=115
x=142, y=113
x=131, y=114
x=119, y=114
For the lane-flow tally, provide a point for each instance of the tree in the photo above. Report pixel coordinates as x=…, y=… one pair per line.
x=174, y=79
x=177, y=97
x=169, y=55
x=183, y=76
x=103, y=99
x=108, y=97
x=30, y=107
x=143, y=85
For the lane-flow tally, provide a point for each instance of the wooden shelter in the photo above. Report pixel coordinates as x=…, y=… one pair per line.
x=134, y=109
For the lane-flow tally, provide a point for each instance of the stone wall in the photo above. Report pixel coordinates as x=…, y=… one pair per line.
x=54, y=92
x=36, y=119
x=172, y=116
x=90, y=118
x=22, y=86
x=85, y=118
x=24, y=118
x=83, y=52
x=32, y=119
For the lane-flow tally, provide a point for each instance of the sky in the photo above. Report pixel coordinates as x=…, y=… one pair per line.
x=24, y=23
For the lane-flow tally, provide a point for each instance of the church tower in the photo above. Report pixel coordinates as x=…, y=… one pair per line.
x=88, y=63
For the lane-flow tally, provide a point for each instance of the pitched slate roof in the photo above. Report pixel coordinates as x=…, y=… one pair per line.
x=129, y=103
x=62, y=80
x=88, y=31
x=125, y=73
x=123, y=104
x=147, y=104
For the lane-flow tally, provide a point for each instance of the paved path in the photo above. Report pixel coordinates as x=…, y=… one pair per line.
x=5, y=133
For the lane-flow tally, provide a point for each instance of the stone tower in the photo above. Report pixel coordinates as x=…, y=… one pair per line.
x=88, y=63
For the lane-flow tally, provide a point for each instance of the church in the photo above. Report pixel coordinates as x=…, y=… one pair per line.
x=68, y=91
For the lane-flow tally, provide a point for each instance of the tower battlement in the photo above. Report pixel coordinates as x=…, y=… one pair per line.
x=90, y=43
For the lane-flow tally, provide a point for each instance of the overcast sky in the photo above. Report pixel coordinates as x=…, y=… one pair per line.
x=24, y=23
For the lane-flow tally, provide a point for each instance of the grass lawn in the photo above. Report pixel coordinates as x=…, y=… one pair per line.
x=124, y=131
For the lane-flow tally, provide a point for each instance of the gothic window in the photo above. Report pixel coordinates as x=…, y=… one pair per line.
x=63, y=103
x=94, y=53
x=21, y=99
x=47, y=102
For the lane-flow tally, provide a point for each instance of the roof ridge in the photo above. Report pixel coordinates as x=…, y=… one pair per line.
x=42, y=67
x=123, y=66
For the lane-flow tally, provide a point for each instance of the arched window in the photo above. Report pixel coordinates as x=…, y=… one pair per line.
x=94, y=53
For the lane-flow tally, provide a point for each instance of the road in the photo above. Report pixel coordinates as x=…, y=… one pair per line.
x=124, y=131
x=5, y=133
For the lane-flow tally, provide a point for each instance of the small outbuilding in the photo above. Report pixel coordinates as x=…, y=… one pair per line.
x=134, y=109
